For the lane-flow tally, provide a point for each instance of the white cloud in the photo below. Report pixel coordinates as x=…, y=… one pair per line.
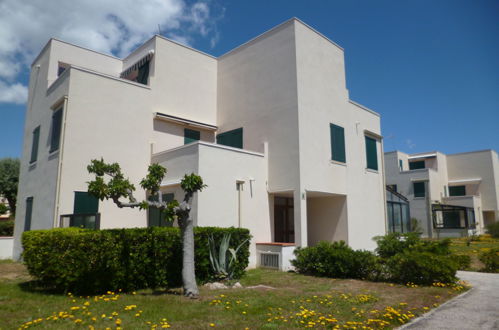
x=15, y=93
x=109, y=26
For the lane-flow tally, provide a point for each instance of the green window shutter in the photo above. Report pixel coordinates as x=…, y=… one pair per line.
x=55, y=137
x=34, y=145
x=337, y=143
x=419, y=189
x=371, y=153
x=457, y=191
x=191, y=136
x=28, y=213
x=232, y=138
x=84, y=203
x=155, y=217
x=401, y=165
x=417, y=165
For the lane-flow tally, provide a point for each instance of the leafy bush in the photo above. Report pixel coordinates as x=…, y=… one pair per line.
x=462, y=261
x=7, y=228
x=493, y=229
x=393, y=243
x=83, y=260
x=334, y=260
x=421, y=268
x=222, y=259
x=491, y=261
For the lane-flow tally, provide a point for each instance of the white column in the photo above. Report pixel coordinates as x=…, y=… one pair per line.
x=300, y=213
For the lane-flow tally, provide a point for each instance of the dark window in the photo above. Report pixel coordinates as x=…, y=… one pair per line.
x=401, y=165
x=34, y=145
x=392, y=187
x=416, y=165
x=191, y=136
x=61, y=69
x=337, y=143
x=29, y=211
x=284, y=231
x=371, y=153
x=419, y=189
x=457, y=191
x=55, y=137
x=85, y=212
x=143, y=73
x=155, y=216
x=232, y=138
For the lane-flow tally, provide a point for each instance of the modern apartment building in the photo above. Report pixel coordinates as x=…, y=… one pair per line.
x=268, y=125
x=450, y=195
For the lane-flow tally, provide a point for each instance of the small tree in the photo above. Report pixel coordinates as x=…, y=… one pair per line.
x=117, y=187
x=9, y=180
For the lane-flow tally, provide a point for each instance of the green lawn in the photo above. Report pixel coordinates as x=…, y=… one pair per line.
x=295, y=301
x=474, y=248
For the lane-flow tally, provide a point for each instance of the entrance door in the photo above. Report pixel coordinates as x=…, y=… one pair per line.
x=284, y=223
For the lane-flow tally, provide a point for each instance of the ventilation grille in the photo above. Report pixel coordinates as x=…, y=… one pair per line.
x=269, y=260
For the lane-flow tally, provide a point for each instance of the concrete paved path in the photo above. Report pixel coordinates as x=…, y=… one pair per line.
x=476, y=309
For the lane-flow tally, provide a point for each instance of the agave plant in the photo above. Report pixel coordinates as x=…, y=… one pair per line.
x=223, y=262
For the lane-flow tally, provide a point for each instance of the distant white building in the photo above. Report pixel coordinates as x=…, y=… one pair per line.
x=450, y=195
x=268, y=125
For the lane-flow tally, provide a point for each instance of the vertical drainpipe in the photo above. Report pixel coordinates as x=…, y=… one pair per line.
x=428, y=208
x=59, y=166
x=383, y=188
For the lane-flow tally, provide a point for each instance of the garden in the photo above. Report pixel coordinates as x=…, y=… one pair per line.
x=131, y=278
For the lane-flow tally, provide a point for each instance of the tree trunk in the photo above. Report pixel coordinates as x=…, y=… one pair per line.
x=188, y=266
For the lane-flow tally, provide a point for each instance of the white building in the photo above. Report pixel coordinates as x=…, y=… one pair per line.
x=269, y=126
x=450, y=195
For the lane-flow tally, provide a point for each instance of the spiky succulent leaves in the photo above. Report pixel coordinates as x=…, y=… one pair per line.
x=213, y=252
x=222, y=253
x=192, y=183
x=152, y=181
x=233, y=258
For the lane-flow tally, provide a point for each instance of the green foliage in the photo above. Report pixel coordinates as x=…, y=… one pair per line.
x=192, y=183
x=7, y=228
x=421, y=268
x=9, y=180
x=152, y=181
x=93, y=261
x=462, y=261
x=493, y=229
x=335, y=259
x=222, y=262
x=491, y=261
x=117, y=186
x=393, y=243
x=3, y=208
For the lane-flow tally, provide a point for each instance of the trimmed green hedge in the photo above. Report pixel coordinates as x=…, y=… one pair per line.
x=7, y=228
x=83, y=260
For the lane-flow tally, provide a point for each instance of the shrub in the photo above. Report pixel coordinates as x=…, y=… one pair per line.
x=491, y=261
x=334, y=260
x=7, y=228
x=393, y=243
x=82, y=260
x=421, y=268
x=462, y=261
x=493, y=229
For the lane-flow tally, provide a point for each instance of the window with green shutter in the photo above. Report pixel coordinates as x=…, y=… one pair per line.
x=337, y=143
x=232, y=138
x=85, y=203
x=417, y=165
x=55, y=136
x=419, y=189
x=191, y=136
x=155, y=216
x=401, y=165
x=28, y=213
x=371, y=153
x=34, y=145
x=457, y=191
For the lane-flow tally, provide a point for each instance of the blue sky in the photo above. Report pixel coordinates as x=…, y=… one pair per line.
x=430, y=68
